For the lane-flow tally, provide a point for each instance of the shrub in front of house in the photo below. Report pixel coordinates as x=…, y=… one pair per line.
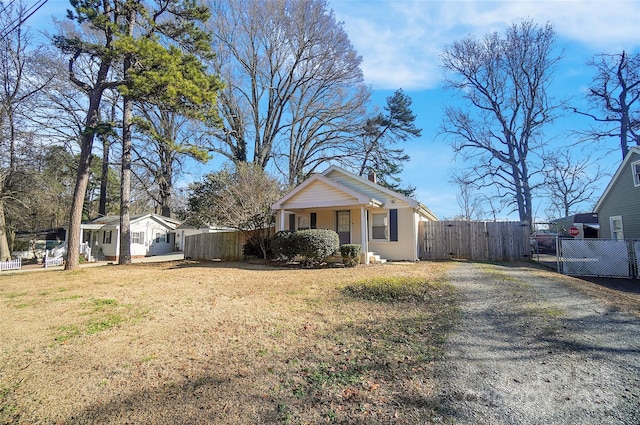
x=350, y=254
x=316, y=245
x=283, y=246
x=254, y=246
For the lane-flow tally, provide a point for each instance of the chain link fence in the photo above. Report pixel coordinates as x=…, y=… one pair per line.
x=598, y=257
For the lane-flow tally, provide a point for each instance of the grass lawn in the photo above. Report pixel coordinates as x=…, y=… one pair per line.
x=223, y=343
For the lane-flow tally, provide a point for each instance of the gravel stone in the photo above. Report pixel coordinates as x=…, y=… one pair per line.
x=531, y=349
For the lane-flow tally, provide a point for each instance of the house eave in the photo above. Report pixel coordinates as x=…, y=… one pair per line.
x=359, y=198
x=411, y=202
x=426, y=212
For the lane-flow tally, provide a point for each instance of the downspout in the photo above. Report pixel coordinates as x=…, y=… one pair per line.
x=416, y=237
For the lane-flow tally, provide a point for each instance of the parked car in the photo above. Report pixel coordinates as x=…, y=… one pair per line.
x=543, y=243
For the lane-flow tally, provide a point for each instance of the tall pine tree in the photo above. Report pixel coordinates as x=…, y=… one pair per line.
x=381, y=133
x=157, y=49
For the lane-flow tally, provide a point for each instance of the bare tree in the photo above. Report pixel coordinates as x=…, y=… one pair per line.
x=568, y=182
x=469, y=200
x=505, y=82
x=615, y=92
x=23, y=76
x=294, y=84
x=239, y=197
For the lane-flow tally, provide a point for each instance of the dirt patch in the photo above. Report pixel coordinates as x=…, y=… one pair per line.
x=535, y=347
x=223, y=343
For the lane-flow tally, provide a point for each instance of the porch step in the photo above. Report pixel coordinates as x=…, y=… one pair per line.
x=374, y=258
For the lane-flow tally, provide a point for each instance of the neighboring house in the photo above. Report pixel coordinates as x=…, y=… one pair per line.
x=183, y=230
x=362, y=212
x=619, y=206
x=151, y=234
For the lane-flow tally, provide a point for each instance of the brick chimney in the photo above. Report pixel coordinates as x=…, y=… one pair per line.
x=372, y=176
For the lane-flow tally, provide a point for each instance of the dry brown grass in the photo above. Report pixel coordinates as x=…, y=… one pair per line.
x=222, y=343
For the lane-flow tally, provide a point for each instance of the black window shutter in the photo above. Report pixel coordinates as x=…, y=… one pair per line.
x=393, y=225
x=368, y=227
x=313, y=220
x=292, y=222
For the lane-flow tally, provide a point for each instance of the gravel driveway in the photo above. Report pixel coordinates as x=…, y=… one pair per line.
x=530, y=349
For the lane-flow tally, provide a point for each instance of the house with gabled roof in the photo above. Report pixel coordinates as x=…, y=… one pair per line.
x=385, y=223
x=151, y=234
x=619, y=206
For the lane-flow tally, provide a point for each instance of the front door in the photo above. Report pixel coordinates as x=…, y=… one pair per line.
x=343, y=219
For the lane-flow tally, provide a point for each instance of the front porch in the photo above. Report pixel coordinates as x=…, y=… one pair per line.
x=349, y=222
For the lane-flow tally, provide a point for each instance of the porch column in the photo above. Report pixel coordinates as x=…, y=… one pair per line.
x=281, y=219
x=363, y=232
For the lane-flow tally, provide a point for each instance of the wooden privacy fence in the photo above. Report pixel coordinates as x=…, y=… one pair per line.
x=220, y=245
x=474, y=240
x=208, y=246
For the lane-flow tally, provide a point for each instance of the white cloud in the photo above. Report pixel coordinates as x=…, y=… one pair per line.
x=401, y=41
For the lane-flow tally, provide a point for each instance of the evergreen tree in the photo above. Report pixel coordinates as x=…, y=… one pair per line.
x=157, y=48
x=381, y=133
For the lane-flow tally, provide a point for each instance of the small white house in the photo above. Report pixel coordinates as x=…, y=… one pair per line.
x=385, y=223
x=151, y=234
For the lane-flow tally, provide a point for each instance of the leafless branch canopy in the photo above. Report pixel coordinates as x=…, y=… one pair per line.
x=505, y=82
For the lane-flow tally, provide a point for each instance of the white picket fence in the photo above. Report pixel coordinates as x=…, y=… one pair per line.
x=11, y=264
x=53, y=261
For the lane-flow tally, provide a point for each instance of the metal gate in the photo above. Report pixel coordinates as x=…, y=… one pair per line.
x=598, y=257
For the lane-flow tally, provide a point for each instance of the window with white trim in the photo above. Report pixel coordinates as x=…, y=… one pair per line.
x=137, y=237
x=303, y=221
x=617, y=231
x=635, y=169
x=106, y=237
x=379, y=226
x=161, y=237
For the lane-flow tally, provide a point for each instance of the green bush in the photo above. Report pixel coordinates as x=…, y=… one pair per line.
x=351, y=254
x=283, y=246
x=316, y=245
x=253, y=248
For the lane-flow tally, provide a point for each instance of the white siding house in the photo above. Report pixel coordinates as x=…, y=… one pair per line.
x=361, y=211
x=151, y=234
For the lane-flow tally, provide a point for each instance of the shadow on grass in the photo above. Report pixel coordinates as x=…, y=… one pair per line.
x=376, y=366
x=266, y=265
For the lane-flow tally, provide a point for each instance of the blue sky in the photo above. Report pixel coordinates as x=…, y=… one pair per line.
x=400, y=42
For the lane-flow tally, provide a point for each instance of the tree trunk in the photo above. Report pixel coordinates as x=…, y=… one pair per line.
x=5, y=253
x=166, y=182
x=125, y=184
x=86, y=146
x=82, y=180
x=102, y=208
